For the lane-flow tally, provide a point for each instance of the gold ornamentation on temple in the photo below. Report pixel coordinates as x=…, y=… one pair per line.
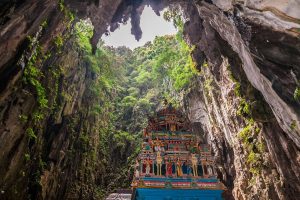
x=172, y=156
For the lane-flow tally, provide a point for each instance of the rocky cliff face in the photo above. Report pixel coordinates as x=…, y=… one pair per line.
x=246, y=101
x=245, y=136
x=252, y=129
x=54, y=142
x=49, y=136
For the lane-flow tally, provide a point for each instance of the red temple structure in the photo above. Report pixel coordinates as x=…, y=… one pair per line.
x=173, y=163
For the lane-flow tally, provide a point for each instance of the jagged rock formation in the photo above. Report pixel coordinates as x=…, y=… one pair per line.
x=250, y=45
x=42, y=148
x=254, y=167
x=254, y=54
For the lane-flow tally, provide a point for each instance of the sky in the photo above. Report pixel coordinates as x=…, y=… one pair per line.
x=151, y=25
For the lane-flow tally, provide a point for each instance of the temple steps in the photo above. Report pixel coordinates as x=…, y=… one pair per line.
x=120, y=194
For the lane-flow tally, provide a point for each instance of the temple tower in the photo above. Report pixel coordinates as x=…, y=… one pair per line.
x=173, y=163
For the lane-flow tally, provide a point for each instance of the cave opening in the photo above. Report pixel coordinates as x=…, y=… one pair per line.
x=69, y=104
x=151, y=25
x=139, y=79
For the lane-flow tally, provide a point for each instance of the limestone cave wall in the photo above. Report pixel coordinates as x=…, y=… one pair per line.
x=245, y=101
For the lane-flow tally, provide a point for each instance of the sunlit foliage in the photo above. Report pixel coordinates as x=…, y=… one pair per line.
x=128, y=85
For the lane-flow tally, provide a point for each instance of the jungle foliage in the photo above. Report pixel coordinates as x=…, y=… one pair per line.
x=128, y=86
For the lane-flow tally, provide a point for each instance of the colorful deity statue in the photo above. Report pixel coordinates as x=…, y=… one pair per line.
x=194, y=161
x=169, y=168
x=162, y=148
x=171, y=152
x=148, y=166
x=137, y=169
x=189, y=170
x=147, y=147
x=145, y=133
x=172, y=127
x=193, y=149
x=179, y=167
x=210, y=171
x=159, y=163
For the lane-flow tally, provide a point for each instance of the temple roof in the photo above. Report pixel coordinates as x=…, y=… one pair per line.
x=173, y=161
x=168, y=118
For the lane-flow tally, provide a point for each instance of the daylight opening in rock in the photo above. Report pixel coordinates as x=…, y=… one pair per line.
x=151, y=26
x=186, y=100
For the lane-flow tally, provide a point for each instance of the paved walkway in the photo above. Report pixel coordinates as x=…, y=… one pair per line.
x=119, y=196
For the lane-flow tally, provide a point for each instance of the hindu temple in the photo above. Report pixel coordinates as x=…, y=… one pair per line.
x=174, y=163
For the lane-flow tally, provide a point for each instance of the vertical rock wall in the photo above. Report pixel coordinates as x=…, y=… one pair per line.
x=243, y=101
x=49, y=137
x=251, y=149
x=51, y=145
x=244, y=98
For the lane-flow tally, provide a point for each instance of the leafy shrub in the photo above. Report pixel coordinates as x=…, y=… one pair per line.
x=31, y=134
x=293, y=125
x=23, y=118
x=58, y=41
x=129, y=101
x=297, y=94
x=27, y=157
x=244, y=108
x=245, y=133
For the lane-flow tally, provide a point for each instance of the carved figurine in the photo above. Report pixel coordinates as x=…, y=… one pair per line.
x=159, y=162
x=209, y=169
x=148, y=167
x=179, y=167
x=194, y=161
x=169, y=169
x=173, y=127
x=145, y=132
x=189, y=170
x=137, y=169
x=174, y=158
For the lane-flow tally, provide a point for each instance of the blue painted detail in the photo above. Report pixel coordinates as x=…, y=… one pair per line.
x=184, y=168
x=173, y=169
x=177, y=194
x=210, y=180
